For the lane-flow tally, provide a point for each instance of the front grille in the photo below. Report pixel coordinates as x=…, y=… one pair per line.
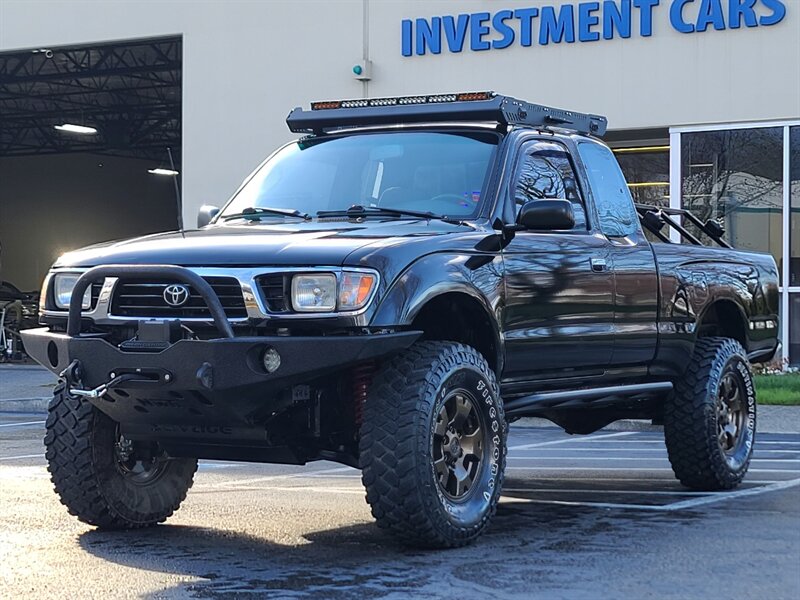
x=276, y=290
x=137, y=298
x=96, y=286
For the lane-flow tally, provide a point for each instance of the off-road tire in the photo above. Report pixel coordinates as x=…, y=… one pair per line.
x=398, y=435
x=80, y=442
x=691, y=418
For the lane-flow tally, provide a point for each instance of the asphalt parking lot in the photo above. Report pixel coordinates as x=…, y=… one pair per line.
x=581, y=517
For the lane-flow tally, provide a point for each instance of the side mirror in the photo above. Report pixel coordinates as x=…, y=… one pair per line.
x=206, y=213
x=546, y=215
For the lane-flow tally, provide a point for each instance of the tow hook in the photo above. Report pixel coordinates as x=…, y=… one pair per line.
x=73, y=375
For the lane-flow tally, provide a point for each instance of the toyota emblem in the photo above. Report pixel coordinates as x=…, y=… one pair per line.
x=176, y=294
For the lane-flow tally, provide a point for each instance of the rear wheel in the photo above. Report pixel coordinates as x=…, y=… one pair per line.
x=433, y=445
x=710, y=418
x=103, y=478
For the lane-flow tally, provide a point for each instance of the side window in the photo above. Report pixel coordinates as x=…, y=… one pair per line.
x=618, y=217
x=545, y=172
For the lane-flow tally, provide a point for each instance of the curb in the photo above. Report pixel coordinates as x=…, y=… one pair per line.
x=24, y=405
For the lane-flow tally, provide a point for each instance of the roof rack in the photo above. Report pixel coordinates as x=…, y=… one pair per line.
x=467, y=106
x=654, y=218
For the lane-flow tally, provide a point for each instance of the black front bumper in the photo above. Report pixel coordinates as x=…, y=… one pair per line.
x=206, y=383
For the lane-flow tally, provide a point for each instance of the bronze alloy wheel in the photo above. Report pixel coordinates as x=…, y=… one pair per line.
x=731, y=413
x=458, y=445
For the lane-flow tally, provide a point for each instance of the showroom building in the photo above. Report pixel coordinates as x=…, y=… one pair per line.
x=702, y=98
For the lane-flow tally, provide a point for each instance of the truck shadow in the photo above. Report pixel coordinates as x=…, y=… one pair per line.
x=528, y=544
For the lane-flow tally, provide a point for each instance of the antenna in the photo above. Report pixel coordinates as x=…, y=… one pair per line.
x=178, y=201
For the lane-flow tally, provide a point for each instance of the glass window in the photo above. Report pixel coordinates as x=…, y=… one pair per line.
x=439, y=172
x=794, y=329
x=646, y=170
x=545, y=172
x=736, y=178
x=618, y=217
x=794, y=203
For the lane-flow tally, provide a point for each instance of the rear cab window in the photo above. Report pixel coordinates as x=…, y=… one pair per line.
x=616, y=213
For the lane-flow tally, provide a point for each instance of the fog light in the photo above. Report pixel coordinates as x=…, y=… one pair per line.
x=271, y=360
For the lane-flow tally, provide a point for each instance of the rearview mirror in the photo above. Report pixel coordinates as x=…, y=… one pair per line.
x=546, y=215
x=206, y=213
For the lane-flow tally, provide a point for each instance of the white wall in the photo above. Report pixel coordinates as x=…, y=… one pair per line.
x=246, y=63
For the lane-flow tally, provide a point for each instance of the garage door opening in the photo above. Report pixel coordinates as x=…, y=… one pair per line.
x=90, y=149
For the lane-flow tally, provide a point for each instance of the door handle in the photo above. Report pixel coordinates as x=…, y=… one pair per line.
x=598, y=264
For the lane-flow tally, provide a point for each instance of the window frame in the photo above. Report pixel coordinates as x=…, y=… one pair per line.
x=676, y=200
x=520, y=152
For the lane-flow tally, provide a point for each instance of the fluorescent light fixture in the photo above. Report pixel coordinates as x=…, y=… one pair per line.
x=649, y=184
x=82, y=129
x=641, y=149
x=168, y=172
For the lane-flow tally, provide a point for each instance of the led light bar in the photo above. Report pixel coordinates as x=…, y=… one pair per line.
x=330, y=115
x=403, y=100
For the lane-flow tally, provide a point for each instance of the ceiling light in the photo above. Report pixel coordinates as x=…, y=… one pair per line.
x=82, y=129
x=641, y=149
x=169, y=172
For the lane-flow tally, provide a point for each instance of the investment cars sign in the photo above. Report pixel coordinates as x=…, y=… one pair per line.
x=580, y=22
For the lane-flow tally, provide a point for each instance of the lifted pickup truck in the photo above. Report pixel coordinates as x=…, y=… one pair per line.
x=388, y=292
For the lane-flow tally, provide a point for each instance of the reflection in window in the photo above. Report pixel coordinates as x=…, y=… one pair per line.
x=618, y=217
x=794, y=203
x=736, y=178
x=646, y=170
x=545, y=172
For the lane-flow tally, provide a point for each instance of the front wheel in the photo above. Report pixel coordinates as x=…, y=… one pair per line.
x=103, y=478
x=433, y=445
x=710, y=418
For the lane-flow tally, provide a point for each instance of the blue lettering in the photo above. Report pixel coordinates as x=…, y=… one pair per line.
x=742, y=8
x=778, y=12
x=477, y=30
x=499, y=23
x=557, y=29
x=406, y=37
x=710, y=13
x=429, y=35
x=525, y=16
x=586, y=20
x=455, y=32
x=616, y=18
x=676, y=16
x=645, y=16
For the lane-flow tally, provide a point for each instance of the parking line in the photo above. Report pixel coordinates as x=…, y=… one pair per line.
x=639, y=458
x=683, y=505
x=646, y=469
x=661, y=451
x=238, y=482
x=574, y=440
x=778, y=485
x=598, y=491
x=22, y=424
x=21, y=456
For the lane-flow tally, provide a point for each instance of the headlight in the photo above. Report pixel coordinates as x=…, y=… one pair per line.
x=324, y=293
x=63, y=284
x=355, y=290
x=314, y=293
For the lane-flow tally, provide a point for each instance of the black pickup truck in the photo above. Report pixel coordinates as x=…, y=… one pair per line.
x=389, y=292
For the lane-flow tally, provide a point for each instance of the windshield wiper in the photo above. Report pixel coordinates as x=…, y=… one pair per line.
x=254, y=213
x=357, y=211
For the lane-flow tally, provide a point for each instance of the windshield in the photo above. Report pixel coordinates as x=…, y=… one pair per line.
x=436, y=172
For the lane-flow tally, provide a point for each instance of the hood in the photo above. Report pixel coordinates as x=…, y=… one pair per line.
x=255, y=244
